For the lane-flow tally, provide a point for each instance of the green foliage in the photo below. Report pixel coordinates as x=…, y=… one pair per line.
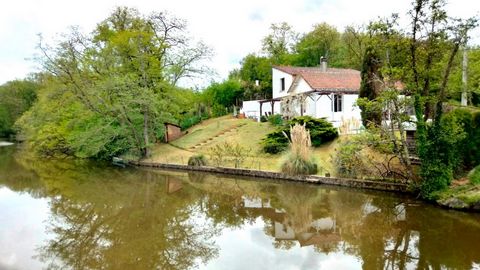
x=16, y=97
x=275, y=142
x=474, y=175
x=295, y=165
x=263, y=119
x=442, y=154
x=275, y=119
x=255, y=68
x=109, y=93
x=226, y=93
x=280, y=42
x=197, y=160
x=348, y=159
x=370, y=86
x=190, y=122
x=226, y=153
x=323, y=40
x=221, y=97
x=321, y=131
x=469, y=148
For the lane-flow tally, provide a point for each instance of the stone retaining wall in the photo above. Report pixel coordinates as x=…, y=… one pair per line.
x=346, y=182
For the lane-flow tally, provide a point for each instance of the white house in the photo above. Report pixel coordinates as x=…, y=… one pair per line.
x=320, y=92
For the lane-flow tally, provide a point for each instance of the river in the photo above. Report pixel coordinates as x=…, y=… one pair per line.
x=79, y=215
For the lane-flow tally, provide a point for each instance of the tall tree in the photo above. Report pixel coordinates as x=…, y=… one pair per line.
x=256, y=69
x=323, y=40
x=371, y=85
x=121, y=79
x=280, y=42
x=16, y=97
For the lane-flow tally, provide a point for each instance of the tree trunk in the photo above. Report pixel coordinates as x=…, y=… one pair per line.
x=146, y=142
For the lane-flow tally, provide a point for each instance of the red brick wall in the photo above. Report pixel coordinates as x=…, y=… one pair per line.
x=172, y=132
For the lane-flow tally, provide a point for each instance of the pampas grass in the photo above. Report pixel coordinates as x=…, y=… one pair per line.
x=299, y=161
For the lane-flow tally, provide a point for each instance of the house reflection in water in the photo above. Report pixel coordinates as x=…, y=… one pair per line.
x=321, y=232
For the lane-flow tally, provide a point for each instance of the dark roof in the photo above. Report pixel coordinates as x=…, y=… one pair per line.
x=332, y=79
x=171, y=124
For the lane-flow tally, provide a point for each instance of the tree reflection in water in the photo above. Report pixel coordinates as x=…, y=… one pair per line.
x=108, y=218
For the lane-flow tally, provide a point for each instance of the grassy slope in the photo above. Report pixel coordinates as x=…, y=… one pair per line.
x=245, y=132
x=464, y=193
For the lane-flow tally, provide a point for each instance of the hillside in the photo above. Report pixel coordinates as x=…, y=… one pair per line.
x=245, y=132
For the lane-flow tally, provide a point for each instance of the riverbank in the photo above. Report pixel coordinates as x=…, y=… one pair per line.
x=462, y=198
x=201, y=139
x=314, y=179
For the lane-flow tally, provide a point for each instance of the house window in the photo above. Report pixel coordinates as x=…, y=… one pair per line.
x=282, y=84
x=337, y=103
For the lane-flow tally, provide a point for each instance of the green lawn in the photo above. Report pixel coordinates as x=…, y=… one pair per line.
x=245, y=132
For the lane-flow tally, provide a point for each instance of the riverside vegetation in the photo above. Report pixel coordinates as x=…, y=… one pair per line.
x=107, y=93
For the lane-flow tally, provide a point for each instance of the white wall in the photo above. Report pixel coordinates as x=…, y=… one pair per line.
x=251, y=109
x=276, y=84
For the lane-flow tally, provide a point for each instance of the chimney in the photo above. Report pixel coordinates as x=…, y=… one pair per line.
x=323, y=64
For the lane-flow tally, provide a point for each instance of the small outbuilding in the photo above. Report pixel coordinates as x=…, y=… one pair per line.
x=172, y=132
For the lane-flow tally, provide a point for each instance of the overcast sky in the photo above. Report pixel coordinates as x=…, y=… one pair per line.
x=231, y=28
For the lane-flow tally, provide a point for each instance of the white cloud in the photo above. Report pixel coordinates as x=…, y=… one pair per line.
x=232, y=28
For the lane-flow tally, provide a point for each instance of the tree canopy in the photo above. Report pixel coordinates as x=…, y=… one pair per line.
x=109, y=92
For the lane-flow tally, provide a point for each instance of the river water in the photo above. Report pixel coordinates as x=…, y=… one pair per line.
x=77, y=215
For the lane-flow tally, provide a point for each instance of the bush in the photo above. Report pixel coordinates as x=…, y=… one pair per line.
x=190, y=121
x=295, y=165
x=263, y=119
x=219, y=110
x=348, y=159
x=227, y=153
x=474, y=176
x=321, y=131
x=197, y=160
x=275, y=142
x=436, y=177
x=275, y=119
x=442, y=154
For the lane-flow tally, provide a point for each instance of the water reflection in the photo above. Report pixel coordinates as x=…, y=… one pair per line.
x=108, y=218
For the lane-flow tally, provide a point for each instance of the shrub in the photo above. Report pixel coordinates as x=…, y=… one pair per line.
x=299, y=161
x=226, y=152
x=442, y=155
x=275, y=142
x=474, y=175
x=294, y=165
x=263, y=119
x=348, y=159
x=190, y=121
x=275, y=119
x=321, y=131
x=197, y=160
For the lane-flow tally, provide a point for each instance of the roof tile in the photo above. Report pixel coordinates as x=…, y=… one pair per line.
x=333, y=78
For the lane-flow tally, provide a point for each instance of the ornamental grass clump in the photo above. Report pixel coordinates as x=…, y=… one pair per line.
x=299, y=161
x=197, y=161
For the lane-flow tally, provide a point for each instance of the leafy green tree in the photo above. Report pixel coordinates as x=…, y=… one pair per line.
x=110, y=91
x=430, y=47
x=255, y=68
x=371, y=85
x=280, y=42
x=16, y=97
x=323, y=40
x=226, y=93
